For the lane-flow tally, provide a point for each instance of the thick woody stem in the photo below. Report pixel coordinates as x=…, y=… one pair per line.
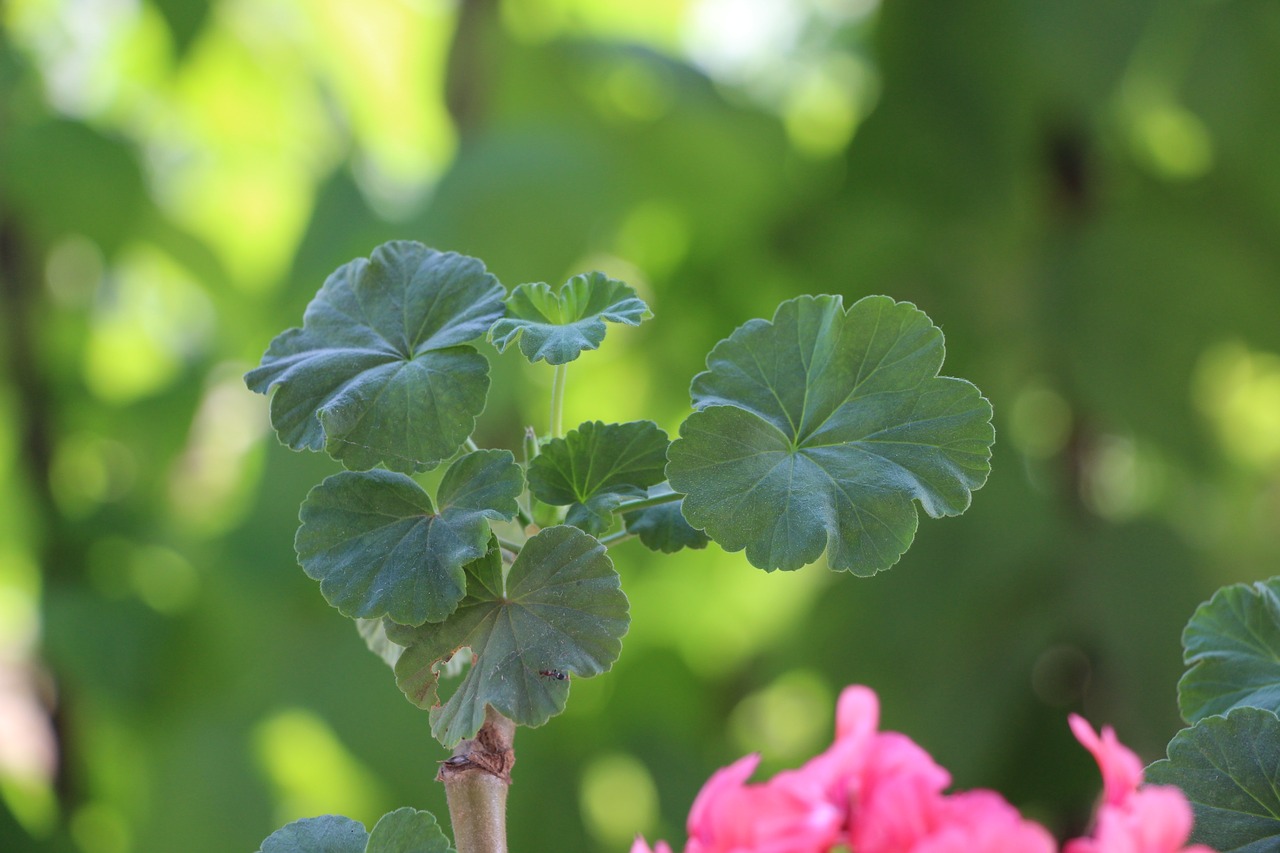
x=475, y=781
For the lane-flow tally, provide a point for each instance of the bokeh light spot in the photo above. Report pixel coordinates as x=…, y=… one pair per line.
x=618, y=799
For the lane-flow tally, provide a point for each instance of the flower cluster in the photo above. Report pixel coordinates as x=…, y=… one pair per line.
x=879, y=792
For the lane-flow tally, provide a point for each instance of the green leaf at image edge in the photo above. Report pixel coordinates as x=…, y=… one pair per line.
x=596, y=467
x=563, y=611
x=816, y=431
x=404, y=830
x=378, y=547
x=1229, y=768
x=326, y=834
x=556, y=326
x=380, y=371
x=1232, y=649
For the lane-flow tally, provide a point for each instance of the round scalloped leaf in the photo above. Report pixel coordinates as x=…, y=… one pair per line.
x=663, y=527
x=1232, y=646
x=379, y=548
x=1229, y=768
x=380, y=371
x=563, y=613
x=408, y=830
x=327, y=834
x=814, y=432
x=596, y=467
x=558, y=326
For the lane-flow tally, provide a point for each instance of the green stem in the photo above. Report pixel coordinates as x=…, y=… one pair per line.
x=471, y=445
x=475, y=780
x=645, y=503
x=557, y=400
x=614, y=538
x=513, y=547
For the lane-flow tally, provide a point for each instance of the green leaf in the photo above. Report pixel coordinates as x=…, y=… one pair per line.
x=374, y=634
x=816, y=431
x=1232, y=646
x=1229, y=768
x=328, y=834
x=563, y=611
x=558, y=326
x=380, y=371
x=596, y=467
x=407, y=830
x=379, y=548
x=663, y=527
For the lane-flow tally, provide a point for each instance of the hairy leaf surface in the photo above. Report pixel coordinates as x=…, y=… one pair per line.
x=563, y=611
x=408, y=830
x=1232, y=646
x=1229, y=768
x=596, y=467
x=663, y=527
x=379, y=547
x=380, y=371
x=557, y=326
x=816, y=431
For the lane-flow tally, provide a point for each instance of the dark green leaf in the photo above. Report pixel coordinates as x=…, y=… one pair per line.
x=379, y=548
x=816, y=431
x=558, y=326
x=380, y=371
x=563, y=611
x=663, y=527
x=328, y=834
x=407, y=830
x=1232, y=646
x=597, y=466
x=1229, y=767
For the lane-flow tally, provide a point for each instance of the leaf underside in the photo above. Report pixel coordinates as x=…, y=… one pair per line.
x=563, y=612
x=815, y=433
x=379, y=548
x=1232, y=646
x=596, y=467
x=1229, y=768
x=556, y=326
x=380, y=372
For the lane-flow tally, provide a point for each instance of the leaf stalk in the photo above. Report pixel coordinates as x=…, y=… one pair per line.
x=645, y=503
x=557, y=400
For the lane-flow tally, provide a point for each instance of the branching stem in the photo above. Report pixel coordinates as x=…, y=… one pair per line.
x=475, y=781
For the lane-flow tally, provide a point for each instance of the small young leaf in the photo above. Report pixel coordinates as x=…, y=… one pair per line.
x=596, y=467
x=1232, y=646
x=378, y=547
x=328, y=834
x=563, y=612
x=814, y=432
x=408, y=830
x=663, y=527
x=558, y=326
x=1229, y=768
x=380, y=371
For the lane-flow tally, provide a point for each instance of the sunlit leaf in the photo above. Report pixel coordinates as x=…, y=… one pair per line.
x=596, y=467
x=408, y=831
x=1229, y=768
x=379, y=547
x=558, y=325
x=380, y=371
x=816, y=431
x=562, y=613
x=327, y=834
x=663, y=527
x=1232, y=645
x=374, y=634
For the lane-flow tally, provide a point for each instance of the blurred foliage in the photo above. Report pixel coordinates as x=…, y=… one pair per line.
x=1085, y=196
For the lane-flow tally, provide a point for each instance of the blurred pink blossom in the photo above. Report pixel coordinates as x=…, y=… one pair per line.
x=879, y=792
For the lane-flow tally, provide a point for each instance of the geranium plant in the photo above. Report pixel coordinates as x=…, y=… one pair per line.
x=813, y=436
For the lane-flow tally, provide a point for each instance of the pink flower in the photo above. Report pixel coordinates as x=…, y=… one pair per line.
x=1131, y=819
x=785, y=815
x=639, y=846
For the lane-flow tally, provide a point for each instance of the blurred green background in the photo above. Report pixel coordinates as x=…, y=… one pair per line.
x=1085, y=196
